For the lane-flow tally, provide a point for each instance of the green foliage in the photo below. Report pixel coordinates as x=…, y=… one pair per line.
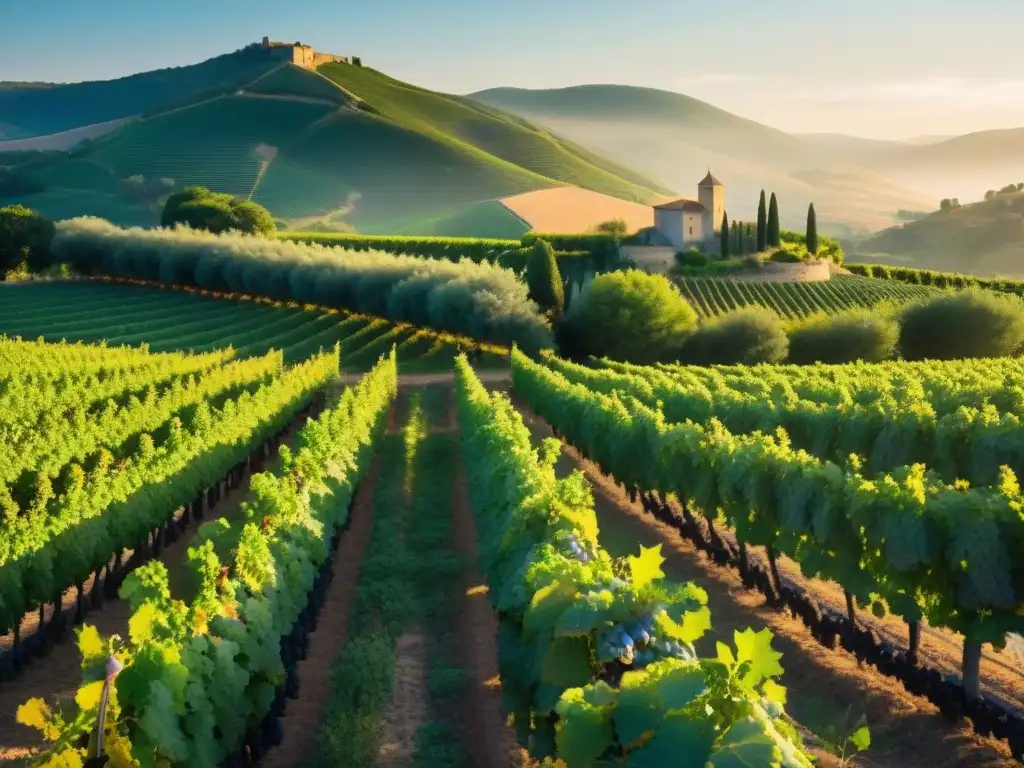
x=481, y=301
x=747, y=336
x=812, y=230
x=773, y=230
x=971, y=323
x=692, y=257
x=198, y=674
x=762, y=224
x=200, y=208
x=937, y=279
x=628, y=315
x=724, y=237
x=544, y=279
x=616, y=228
x=25, y=238
x=785, y=256
x=564, y=612
x=855, y=334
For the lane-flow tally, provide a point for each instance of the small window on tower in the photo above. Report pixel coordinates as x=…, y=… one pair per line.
x=691, y=230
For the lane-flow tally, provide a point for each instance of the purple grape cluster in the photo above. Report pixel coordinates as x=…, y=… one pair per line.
x=635, y=642
x=578, y=550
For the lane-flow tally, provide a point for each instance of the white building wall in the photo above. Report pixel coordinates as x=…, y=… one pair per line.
x=670, y=224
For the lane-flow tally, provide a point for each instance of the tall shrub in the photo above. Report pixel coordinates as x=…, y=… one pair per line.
x=857, y=334
x=544, y=280
x=25, y=237
x=724, y=236
x=627, y=315
x=201, y=208
x=762, y=224
x=970, y=323
x=747, y=336
x=774, y=231
x=482, y=301
x=812, y=230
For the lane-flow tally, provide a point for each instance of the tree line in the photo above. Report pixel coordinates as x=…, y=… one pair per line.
x=741, y=238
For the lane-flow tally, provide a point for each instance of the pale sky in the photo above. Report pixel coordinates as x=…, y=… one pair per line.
x=874, y=68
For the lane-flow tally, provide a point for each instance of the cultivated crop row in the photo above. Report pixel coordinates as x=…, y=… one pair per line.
x=712, y=296
x=904, y=540
x=596, y=654
x=204, y=676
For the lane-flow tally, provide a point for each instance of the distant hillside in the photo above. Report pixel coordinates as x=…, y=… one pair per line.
x=985, y=238
x=346, y=146
x=675, y=137
x=39, y=109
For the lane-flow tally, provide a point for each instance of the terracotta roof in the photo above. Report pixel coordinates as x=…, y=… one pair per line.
x=710, y=181
x=683, y=204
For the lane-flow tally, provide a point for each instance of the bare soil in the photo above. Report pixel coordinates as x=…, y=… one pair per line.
x=907, y=731
x=493, y=743
x=302, y=715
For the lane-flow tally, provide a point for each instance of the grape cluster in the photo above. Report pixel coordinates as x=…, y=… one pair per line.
x=635, y=642
x=578, y=550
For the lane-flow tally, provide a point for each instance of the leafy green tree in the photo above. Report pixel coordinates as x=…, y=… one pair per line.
x=725, y=236
x=617, y=228
x=201, y=208
x=774, y=232
x=812, y=231
x=970, y=323
x=747, y=336
x=25, y=237
x=544, y=280
x=627, y=315
x=856, y=334
x=762, y=224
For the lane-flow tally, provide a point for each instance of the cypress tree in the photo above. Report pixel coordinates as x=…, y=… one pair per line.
x=750, y=239
x=774, y=231
x=762, y=224
x=812, y=231
x=543, y=279
x=725, y=235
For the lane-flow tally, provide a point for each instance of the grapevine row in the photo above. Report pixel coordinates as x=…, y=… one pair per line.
x=203, y=678
x=970, y=443
x=596, y=655
x=902, y=541
x=53, y=546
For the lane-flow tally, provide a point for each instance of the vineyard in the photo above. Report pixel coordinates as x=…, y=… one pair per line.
x=167, y=320
x=147, y=503
x=712, y=296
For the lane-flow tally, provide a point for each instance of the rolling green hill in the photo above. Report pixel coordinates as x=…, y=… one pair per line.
x=675, y=138
x=984, y=238
x=38, y=109
x=346, y=145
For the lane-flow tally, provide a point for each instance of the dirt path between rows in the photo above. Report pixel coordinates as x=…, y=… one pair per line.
x=302, y=716
x=907, y=731
x=58, y=674
x=493, y=742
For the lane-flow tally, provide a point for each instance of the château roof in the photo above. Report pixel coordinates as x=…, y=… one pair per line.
x=683, y=204
x=710, y=181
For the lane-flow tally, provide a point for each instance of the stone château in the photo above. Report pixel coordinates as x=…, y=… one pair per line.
x=697, y=223
x=301, y=55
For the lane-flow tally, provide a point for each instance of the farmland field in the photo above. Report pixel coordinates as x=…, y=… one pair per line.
x=170, y=320
x=712, y=296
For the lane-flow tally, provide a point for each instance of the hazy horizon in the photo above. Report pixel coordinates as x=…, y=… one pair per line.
x=928, y=67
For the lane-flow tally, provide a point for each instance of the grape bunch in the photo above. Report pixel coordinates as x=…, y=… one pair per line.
x=579, y=551
x=635, y=642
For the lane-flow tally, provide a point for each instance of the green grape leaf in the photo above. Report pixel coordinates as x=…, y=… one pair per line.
x=548, y=604
x=583, y=617
x=91, y=645
x=861, y=738
x=88, y=696
x=774, y=692
x=567, y=662
x=646, y=568
x=639, y=711
x=35, y=713
x=755, y=648
x=747, y=743
x=680, y=742
x=584, y=731
x=680, y=686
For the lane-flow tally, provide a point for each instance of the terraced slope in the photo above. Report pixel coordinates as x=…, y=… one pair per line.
x=169, y=320
x=712, y=296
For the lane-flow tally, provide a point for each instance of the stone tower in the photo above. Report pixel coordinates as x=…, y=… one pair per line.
x=711, y=194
